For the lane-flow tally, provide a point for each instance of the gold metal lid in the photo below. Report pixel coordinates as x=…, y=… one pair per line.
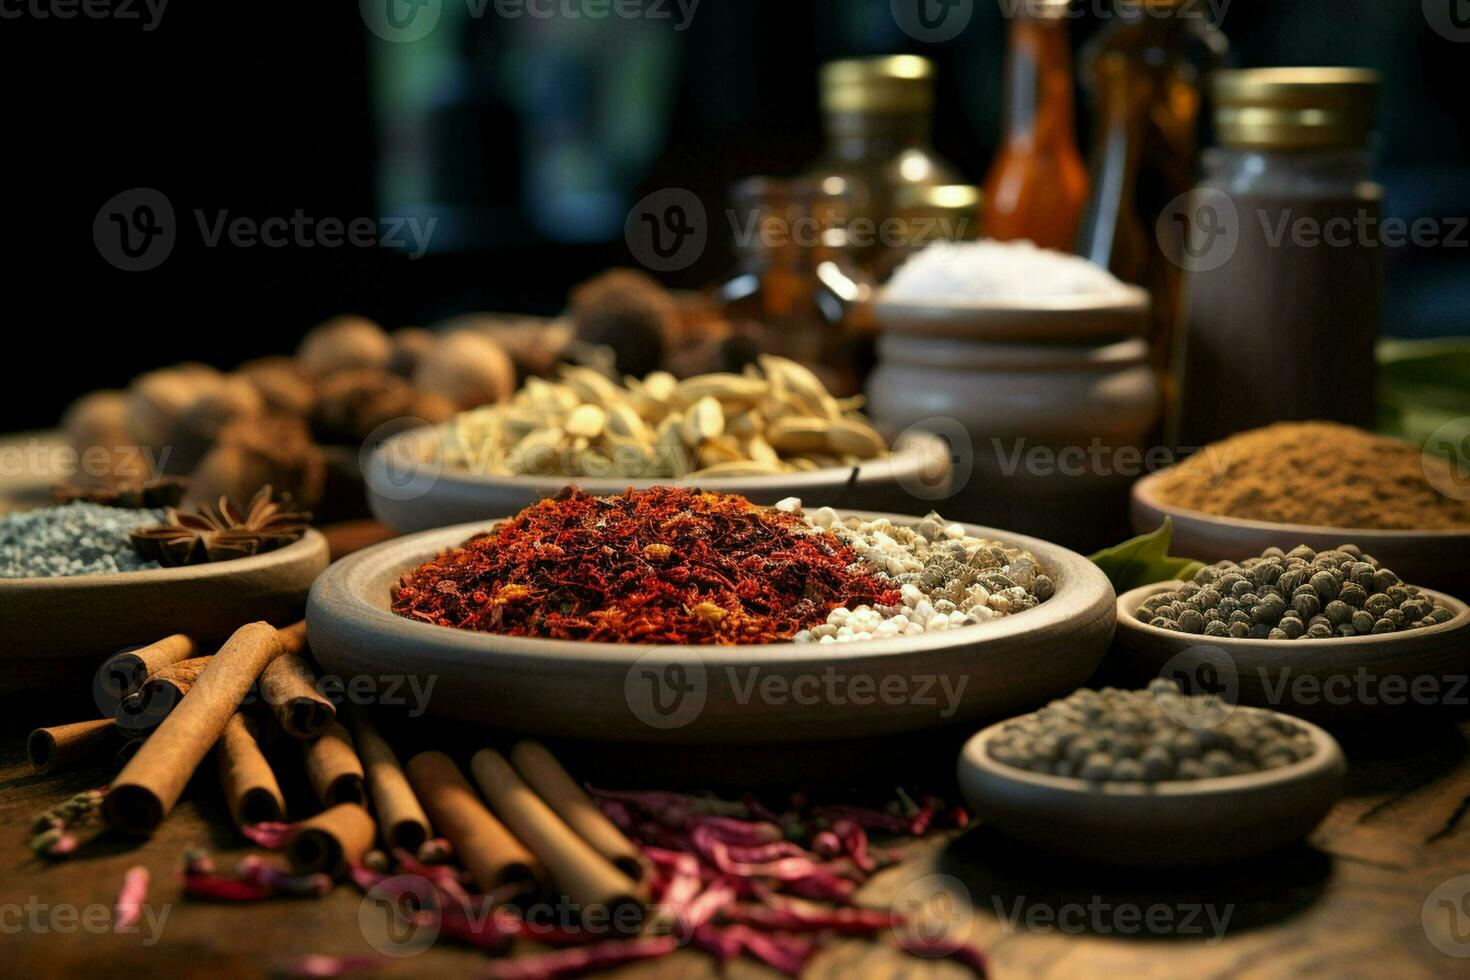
x=1294, y=108
x=943, y=198
x=894, y=83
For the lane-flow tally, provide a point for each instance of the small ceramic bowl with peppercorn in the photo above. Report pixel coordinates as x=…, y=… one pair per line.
x=1329, y=634
x=1152, y=779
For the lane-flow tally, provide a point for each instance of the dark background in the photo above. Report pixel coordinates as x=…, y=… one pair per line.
x=529, y=141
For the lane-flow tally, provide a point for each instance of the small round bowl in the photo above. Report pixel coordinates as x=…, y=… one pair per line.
x=1066, y=320
x=1170, y=825
x=1438, y=559
x=47, y=619
x=409, y=491
x=1337, y=679
x=710, y=695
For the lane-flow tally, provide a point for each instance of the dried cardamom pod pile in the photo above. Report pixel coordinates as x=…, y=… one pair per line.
x=777, y=418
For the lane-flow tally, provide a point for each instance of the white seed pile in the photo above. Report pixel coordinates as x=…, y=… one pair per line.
x=77, y=539
x=1141, y=736
x=945, y=577
x=989, y=271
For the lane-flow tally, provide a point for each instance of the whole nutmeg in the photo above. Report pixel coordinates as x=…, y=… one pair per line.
x=410, y=344
x=535, y=345
x=200, y=424
x=157, y=399
x=253, y=452
x=97, y=427
x=468, y=369
x=343, y=343
x=629, y=312
x=286, y=388
x=354, y=406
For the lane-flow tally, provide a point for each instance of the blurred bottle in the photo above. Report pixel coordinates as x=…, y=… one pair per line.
x=1037, y=185
x=942, y=213
x=1283, y=288
x=1145, y=72
x=878, y=114
x=796, y=290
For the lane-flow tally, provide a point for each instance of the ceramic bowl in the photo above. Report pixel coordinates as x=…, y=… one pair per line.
x=1169, y=825
x=409, y=491
x=1438, y=559
x=1062, y=320
x=728, y=695
x=1341, y=678
x=68, y=618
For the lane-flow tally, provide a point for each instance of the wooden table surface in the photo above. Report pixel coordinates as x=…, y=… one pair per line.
x=1351, y=903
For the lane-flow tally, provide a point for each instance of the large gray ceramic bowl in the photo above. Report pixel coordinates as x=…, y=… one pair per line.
x=730, y=695
x=409, y=491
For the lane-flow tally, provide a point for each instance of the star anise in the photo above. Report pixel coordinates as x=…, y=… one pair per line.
x=221, y=533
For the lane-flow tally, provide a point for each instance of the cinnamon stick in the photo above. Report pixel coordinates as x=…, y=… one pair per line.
x=82, y=745
x=589, y=880
x=124, y=673
x=488, y=851
x=555, y=785
x=288, y=687
x=400, y=817
x=144, y=711
x=250, y=787
x=331, y=841
x=333, y=768
x=149, y=786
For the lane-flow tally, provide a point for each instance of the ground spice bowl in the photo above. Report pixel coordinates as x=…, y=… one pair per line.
x=1336, y=679
x=775, y=694
x=1169, y=825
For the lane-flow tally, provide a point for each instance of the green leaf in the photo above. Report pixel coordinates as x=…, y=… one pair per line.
x=1144, y=560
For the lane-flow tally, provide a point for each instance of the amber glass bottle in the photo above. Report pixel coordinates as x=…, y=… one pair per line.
x=1037, y=185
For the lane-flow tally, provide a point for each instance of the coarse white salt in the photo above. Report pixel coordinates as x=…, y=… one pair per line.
x=990, y=271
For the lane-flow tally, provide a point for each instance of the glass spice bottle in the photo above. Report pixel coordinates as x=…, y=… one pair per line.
x=1283, y=280
x=942, y=213
x=1037, y=185
x=878, y=116
x=1145, y=74
x=796, y=289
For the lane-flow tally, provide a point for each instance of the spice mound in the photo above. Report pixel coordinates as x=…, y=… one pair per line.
x=664, y=565
x=74, y=539
x=1145, y=736
x=1316, y=473
x=1297, y=595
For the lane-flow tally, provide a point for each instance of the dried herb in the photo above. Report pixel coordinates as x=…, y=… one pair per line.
x=222, y=533
x=664, y=565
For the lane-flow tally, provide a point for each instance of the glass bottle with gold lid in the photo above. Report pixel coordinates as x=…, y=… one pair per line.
x=878, y=117
x=1282, y=253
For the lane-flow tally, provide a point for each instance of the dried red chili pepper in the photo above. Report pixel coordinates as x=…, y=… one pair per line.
x=664, y=565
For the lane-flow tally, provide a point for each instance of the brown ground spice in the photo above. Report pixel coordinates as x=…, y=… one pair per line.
x=1317, y=473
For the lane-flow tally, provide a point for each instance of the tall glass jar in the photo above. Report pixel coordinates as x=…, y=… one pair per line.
x=796, y=290
x=878, y=117
x=1282, y=259
x=1145, y=74
x=1037, y=185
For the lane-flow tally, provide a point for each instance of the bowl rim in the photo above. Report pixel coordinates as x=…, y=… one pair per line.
x=1130, y=299
x=1143, y=495
x=1327, y=756
x=311, y=543
x=1129, y=601
x=1081, y=585
x=913, y=449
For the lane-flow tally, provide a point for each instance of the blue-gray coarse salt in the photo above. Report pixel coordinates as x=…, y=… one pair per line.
x=75, y=539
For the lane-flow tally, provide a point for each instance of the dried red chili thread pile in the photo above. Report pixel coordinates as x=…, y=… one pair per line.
x=665, y=565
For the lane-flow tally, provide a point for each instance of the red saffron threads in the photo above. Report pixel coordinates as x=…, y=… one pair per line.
x=664, y=565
